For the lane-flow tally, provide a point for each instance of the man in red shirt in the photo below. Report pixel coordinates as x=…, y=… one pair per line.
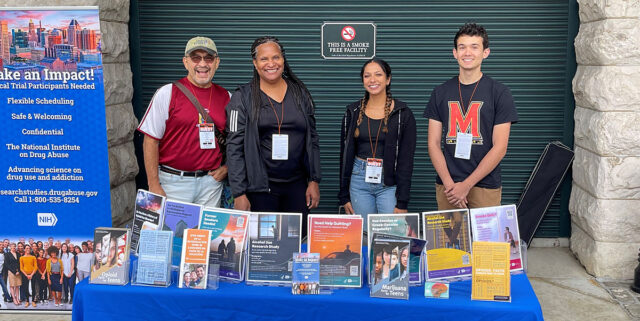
x=182, y=158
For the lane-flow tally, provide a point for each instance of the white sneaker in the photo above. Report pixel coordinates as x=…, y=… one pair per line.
x=56, y=304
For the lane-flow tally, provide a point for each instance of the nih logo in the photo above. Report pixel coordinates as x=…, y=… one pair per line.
x=47, y=219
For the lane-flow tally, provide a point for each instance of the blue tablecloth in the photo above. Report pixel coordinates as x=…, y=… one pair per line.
x=244, y=302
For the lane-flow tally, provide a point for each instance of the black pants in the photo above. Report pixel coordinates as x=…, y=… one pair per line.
x=44, y=285
x=24, y=288
x=283, y=197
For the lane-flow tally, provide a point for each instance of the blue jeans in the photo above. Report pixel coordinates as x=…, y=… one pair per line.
x=369, y=198
x=4, y=288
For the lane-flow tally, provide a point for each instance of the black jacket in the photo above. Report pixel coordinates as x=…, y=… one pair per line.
x=10, y=263
x=247, y=172
x=399, y=147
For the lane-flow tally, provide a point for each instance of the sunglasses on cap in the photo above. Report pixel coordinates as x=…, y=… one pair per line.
x=208, y=58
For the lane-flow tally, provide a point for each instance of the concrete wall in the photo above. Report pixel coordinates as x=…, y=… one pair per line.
x=118, y=90
x=605, y=198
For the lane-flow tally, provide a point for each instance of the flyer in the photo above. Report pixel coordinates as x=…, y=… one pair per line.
x=491, y=280
x=147, y=215
x=338, y=240
x=111, y=256
x=228, y=234
x=390, y=277
x=273, y=238
x=399, y=225
x=179, y=216
x=306, y=273
x=194, y=259
x=154, y=258
x=448, y=237
x=498, y=224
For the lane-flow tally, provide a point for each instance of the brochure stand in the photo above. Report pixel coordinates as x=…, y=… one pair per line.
x=213, y=277
x=153, y=266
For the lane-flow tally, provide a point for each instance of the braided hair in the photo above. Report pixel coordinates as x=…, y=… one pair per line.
x=363, y=102
x=298, y=88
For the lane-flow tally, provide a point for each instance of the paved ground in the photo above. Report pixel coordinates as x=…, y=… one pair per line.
x=565, y=291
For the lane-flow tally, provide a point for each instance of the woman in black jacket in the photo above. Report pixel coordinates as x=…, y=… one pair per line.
x=378, y=141
x=12, y=264
x=272, y=148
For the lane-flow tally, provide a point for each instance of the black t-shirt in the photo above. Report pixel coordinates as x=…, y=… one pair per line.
x=492, y=104
x=363, y=144
x=294, y=125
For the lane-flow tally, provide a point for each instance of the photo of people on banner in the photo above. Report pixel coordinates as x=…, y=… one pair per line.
x=42, y=273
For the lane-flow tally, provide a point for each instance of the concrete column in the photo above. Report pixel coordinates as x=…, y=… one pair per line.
x=118, y=91
x=605, y=198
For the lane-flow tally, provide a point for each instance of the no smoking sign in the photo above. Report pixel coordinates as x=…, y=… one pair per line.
x=339, y=40
x=348, y=33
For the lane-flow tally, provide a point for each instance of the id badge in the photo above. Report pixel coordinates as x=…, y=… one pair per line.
x=207, y=136
x=280, y=147
x=463, y=146
x=373, y=173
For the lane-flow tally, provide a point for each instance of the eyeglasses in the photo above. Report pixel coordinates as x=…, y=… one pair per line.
x=208, y=58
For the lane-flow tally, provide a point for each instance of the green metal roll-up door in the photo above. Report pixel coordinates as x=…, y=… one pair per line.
x=532, y=53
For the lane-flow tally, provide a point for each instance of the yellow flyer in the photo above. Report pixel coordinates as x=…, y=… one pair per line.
x=491, y=277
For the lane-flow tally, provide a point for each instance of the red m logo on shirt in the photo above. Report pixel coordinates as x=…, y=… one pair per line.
x=458, y=121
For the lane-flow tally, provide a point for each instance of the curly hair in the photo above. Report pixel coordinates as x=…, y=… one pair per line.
x=472, y=29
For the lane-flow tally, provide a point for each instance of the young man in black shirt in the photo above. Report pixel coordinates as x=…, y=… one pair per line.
x=472, y=114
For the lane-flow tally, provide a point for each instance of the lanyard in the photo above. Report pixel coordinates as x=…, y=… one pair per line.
x=472, y=93
x=202, y=118
x=373, y=150
x=278, y=119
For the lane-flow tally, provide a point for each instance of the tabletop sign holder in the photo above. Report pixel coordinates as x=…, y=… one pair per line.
x=153, y=266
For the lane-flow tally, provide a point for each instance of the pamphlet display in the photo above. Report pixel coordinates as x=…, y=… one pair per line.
x=273, y=238
x=111, y=256
x=399, y=225
x=147, y=215
x=194, y=262
x=306, y=273
x=153, y=266
x=491, y=279
x=179, y=216
x=498, y=224
x=448, y=237
x=390, y=276
x=338, y=240
x=228, y=234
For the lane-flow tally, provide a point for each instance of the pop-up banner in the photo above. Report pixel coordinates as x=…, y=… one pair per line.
x=54, y=186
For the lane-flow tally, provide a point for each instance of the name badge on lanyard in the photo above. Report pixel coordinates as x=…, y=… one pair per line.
x=373, y=172
x=463, y=145
x=207, y=136
x=280, y=147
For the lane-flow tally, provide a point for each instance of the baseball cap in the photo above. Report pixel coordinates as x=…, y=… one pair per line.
x=200, y=43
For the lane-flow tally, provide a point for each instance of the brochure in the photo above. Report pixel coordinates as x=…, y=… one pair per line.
x=111, y=256
x=338, y=240
x=154, y=258
x=179, y=216
x=448, y=237
x=194, y=261
x=390, y=277
x=147, y=215
x=498, y=224
x=228, y=234
x=399, y=225
x=436, y=290
x=491, y=279
x=306, y=273
x=273, y=238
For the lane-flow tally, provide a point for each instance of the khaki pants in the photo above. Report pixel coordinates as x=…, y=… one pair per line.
x=477, y=197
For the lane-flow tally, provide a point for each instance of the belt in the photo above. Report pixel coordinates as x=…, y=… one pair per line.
x=198, y=173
